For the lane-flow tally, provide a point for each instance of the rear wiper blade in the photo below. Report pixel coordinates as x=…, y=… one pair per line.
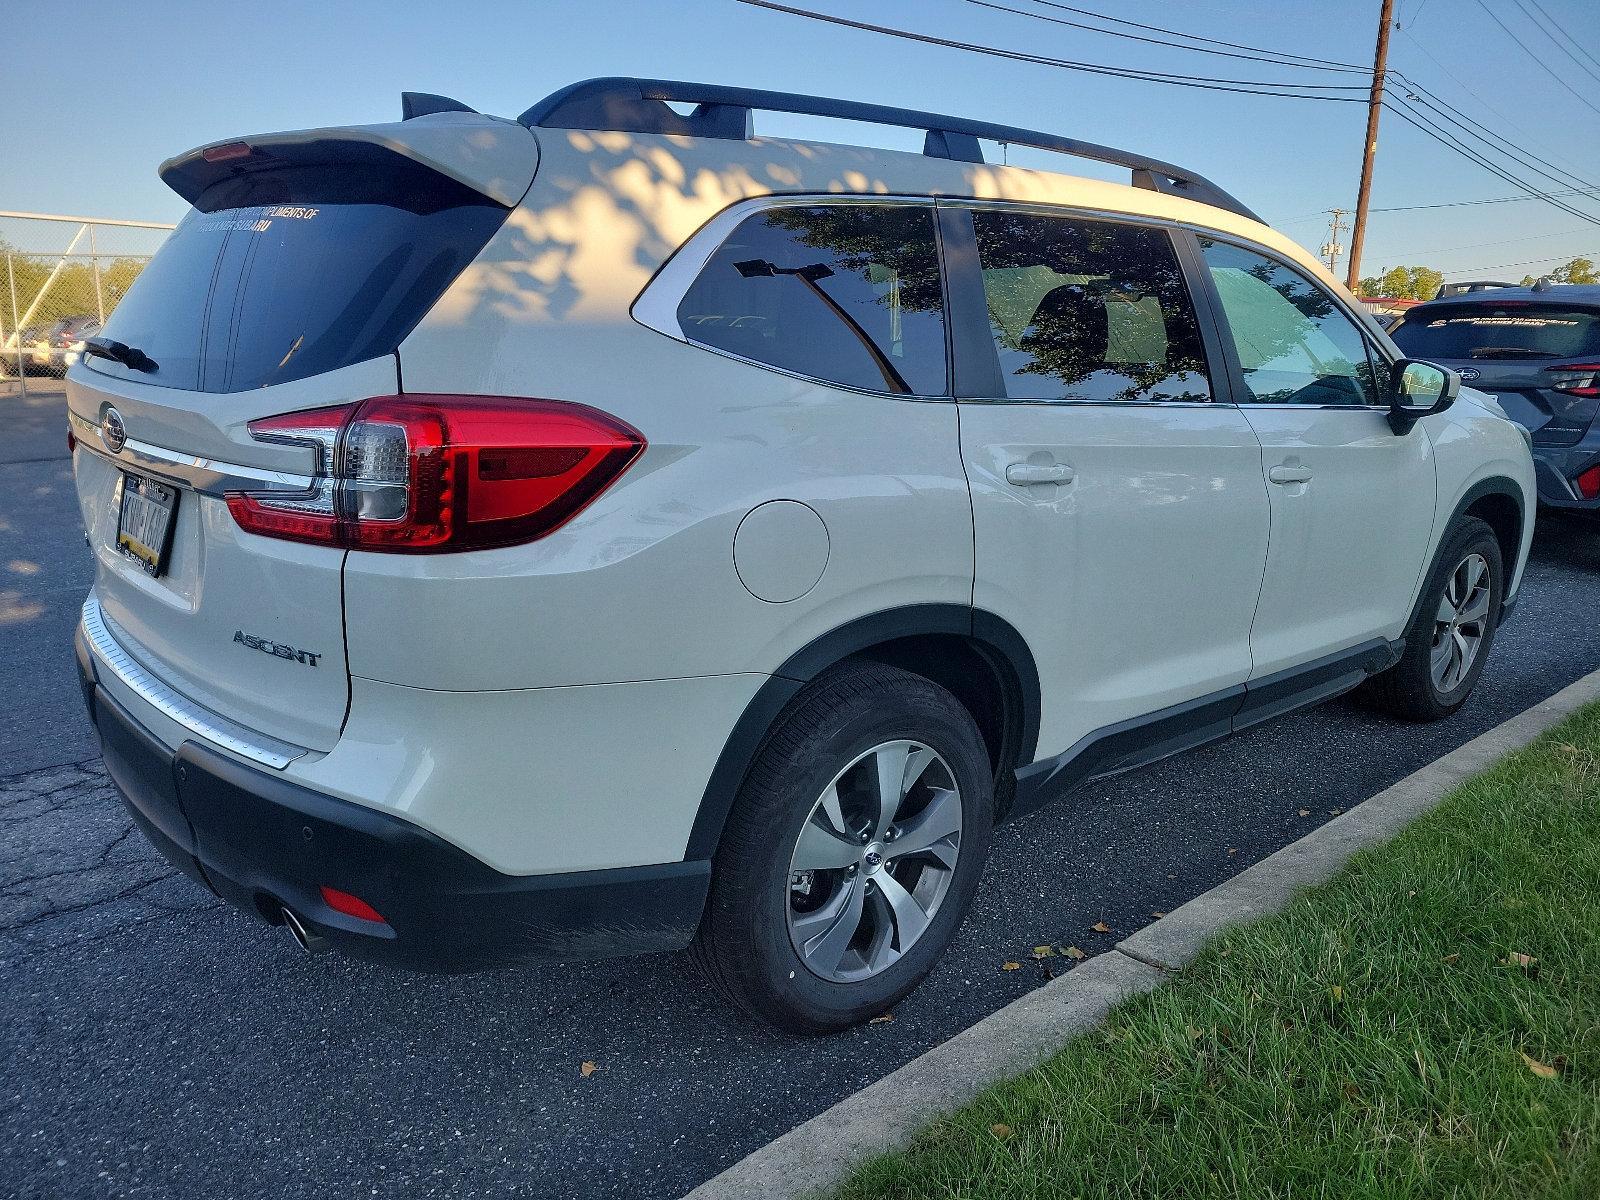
x=1510, y=352
x=129, y=356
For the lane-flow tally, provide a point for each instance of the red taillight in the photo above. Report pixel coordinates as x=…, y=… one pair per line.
x=1588, y=483
x=1580, y=379
x=426, y=473
x=350, y=906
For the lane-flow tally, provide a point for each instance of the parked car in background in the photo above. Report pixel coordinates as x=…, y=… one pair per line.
x=27, y=353
x=65, y=339
x=1387, y=309
x=1537, y=351
x=734, y=554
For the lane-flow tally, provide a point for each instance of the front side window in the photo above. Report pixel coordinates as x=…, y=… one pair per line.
x=1088, y=310
x=847, y=293
x=1295, y=344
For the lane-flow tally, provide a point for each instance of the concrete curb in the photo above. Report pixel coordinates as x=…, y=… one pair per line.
x=884, y=1116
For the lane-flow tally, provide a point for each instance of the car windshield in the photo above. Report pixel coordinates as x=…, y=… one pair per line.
x=1500, y=331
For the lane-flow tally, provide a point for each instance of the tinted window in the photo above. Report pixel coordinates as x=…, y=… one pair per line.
x=1088, y=310
x=283, y=274
x=1495, y=331
x=849, y=293
x=1295, y=344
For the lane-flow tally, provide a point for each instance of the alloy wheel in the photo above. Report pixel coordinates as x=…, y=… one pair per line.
x=1461, y=623
x=874, y=861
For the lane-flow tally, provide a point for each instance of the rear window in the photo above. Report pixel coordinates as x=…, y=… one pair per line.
x=846, y=293
x=287, y=273
x=1493, y=331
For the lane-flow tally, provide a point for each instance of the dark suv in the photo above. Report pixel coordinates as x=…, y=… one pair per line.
x=1537, y=351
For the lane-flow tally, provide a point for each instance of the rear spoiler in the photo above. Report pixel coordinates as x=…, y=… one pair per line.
x=491, y=155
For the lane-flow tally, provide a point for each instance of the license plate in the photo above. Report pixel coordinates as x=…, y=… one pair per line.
x=144, y=524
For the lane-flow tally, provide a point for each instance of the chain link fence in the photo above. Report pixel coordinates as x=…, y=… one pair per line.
x=60, y=278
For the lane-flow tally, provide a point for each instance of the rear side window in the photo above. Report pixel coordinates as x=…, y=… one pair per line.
x=1089, y=310
x=1501, y=331
x=282, y=274
x=846, y=293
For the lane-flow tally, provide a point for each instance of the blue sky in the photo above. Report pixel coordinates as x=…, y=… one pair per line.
x=103, y=99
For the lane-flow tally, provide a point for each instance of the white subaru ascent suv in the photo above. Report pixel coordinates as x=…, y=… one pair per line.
x=609, y=531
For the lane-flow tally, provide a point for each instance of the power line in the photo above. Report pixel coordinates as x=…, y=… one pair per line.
x=1265, y=56
x=1471, y=203
x=1461, y=83
x=1561, y=46
x=1207, y=83
x=1411, y=117
x=1474, y=129
x=1253, y=87
x=1525, y=262
x=1535, y=57
x=1320, y=63
x=1500, y=242
x=1490, y=138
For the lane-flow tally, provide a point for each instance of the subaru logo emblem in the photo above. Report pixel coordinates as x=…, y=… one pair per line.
x=112, y=431
x=1469, y=372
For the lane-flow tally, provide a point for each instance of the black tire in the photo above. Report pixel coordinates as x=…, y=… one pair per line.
x=1408, y=689
x=744, y=943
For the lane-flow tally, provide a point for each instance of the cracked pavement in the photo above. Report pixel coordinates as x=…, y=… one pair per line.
x=73, y=866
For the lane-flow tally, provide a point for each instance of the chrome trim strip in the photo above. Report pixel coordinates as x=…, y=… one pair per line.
x=208, y=476
x=202, y=722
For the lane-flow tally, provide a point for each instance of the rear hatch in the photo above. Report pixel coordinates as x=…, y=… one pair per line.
x=1538, y=358
x=305, y=261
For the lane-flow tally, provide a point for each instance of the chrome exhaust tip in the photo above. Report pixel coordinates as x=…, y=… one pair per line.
x=311, y=943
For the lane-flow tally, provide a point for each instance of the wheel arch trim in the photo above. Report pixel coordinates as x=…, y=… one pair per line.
x=1007, y=651
x=1493, y=485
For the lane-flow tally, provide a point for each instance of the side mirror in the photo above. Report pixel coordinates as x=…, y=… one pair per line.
x=1419, y=389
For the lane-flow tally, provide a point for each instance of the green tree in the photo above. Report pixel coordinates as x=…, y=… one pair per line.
x=1407, y=283
x=1579, y=270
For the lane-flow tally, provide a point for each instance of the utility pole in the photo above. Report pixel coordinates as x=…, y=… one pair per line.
x=1332, y=249
x=1380, y=63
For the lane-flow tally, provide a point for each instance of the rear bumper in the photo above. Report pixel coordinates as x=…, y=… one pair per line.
x=263, y=843
x=1555, y=468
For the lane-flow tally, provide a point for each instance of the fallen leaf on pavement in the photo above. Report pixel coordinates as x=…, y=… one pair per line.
x=1043, y=952
x=1305, y=812
x=1011, y=966
x=881, y=1019
x=1158, y=914
x=587, y=1069
x=1232, y=850
x=1542, y=1070
x=1100, y=927
x=1073, y=952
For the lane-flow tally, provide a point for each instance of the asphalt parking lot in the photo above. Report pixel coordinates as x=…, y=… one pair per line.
x=159, y=1044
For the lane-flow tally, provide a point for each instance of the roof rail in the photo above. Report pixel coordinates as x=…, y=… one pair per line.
x=629, y=105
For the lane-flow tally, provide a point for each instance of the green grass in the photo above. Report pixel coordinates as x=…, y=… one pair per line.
x=1367, y=1041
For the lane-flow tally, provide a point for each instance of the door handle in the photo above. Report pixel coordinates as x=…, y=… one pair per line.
x=1288, y=474
x=1023, y=473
